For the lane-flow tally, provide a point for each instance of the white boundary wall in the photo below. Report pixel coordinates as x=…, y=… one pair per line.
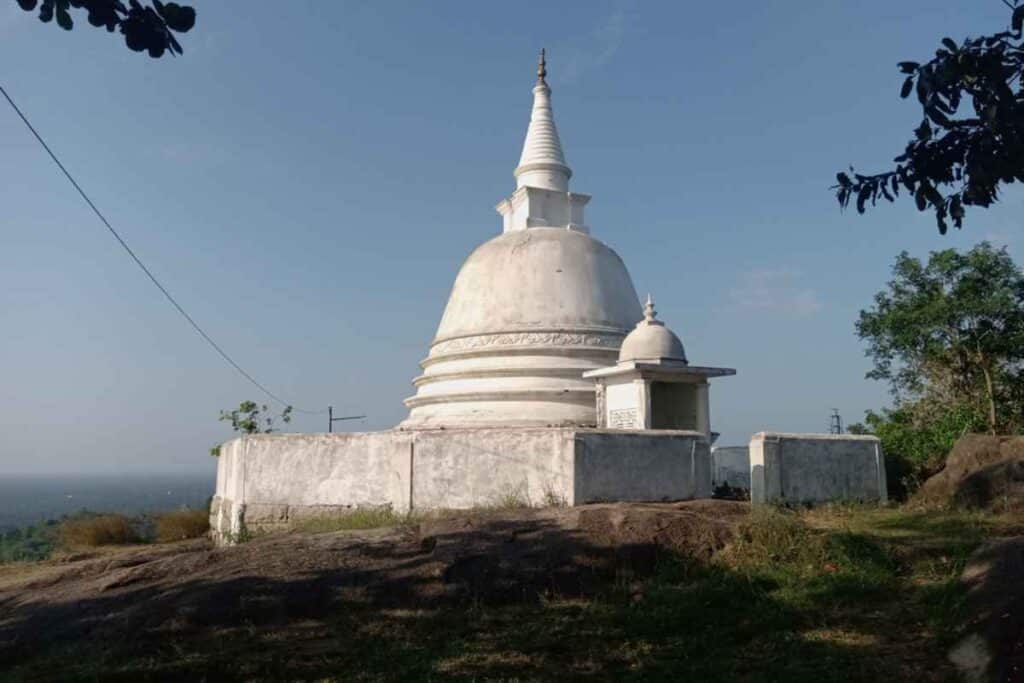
x=268, y=480
x=816, y=468
x=730, y=465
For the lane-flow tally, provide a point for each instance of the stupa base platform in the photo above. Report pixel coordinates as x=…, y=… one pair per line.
x=269, y=481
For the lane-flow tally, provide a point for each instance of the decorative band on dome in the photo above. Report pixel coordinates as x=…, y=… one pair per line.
x=581, y=396
x=609, y=340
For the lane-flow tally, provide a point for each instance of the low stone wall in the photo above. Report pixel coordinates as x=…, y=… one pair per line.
x=730, y=465
x=640, y=466
x=816, y=468
x=268, y=481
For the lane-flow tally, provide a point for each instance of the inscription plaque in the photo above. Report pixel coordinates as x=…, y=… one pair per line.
x=623, y=418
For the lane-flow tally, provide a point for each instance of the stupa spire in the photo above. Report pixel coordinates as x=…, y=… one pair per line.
x=542, y=163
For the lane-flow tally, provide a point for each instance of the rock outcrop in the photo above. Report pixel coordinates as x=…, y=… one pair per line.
x=981, y=472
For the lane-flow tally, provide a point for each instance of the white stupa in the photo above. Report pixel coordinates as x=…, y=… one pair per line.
x=532, y=309
x=546, y=382
x=524, y=393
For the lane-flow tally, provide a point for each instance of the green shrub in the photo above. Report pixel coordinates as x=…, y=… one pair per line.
x=89, y=531
x=917, y=440
x=182, y=524
x=29, y=543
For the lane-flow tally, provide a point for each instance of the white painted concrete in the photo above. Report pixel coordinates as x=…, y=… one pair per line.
x=466, y=468
x=266, y=481
x=816, y=468
x=653, y=386
x=730, y=465
x=624, y=405
x=641, y=466
x=651, y=341
x=542, y=163
x=529, y=313
x=531, y=310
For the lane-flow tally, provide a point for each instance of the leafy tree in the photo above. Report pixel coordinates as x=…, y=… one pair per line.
x=250, y=418
x=952, y=333
x=144, y=27
x=957, y=159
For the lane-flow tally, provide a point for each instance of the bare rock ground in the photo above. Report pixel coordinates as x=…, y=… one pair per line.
x=190, y=589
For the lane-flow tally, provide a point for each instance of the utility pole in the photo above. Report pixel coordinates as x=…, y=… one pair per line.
x=331, y=419
x=836, y=424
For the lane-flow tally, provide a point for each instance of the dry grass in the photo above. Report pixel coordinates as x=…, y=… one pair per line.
x=511, y=499
x=182, y=524
x=358, y=518
x=379, y=517
x=89, y=532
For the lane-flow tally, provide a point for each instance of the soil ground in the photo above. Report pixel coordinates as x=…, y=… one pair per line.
x=604, y=592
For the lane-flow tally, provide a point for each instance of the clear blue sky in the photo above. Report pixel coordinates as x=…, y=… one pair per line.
x=309, y=176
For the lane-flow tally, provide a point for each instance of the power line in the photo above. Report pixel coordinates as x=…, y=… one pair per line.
x=146, y=270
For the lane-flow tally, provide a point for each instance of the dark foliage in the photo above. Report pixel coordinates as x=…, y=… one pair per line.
x=144, y=27
x=957, y=158
x=30, y=543
x=726, y=492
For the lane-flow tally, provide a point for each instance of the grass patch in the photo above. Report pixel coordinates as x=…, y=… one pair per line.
x=512, y=499
x=180, y=525
x=831, y=594
x=358, y=518
x=98, y=530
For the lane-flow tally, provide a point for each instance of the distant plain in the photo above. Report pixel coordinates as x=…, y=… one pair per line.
x=30, y=499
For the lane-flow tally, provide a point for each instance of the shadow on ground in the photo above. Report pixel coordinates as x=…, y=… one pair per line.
x=600, y=592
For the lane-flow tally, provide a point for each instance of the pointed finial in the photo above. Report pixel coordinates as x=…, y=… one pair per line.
x=542, y=69
x=649, y=313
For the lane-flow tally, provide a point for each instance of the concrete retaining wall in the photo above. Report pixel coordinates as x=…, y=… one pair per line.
x=730, y=465
x=815, y=468
x=267, y=481
x=641, y=466
x=466, y=468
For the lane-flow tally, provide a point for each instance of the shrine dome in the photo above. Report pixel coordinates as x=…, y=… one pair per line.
x=651, y=340
x=531, y=309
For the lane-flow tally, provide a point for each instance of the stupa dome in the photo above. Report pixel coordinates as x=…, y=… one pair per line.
x=532, y=309
x=540, y=279
x=651, y=340
x=529, y=313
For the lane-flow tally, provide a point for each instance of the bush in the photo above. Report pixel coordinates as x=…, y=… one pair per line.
x=30, y=543
x=182, y=524
x=917, y=440
x=96, y=530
